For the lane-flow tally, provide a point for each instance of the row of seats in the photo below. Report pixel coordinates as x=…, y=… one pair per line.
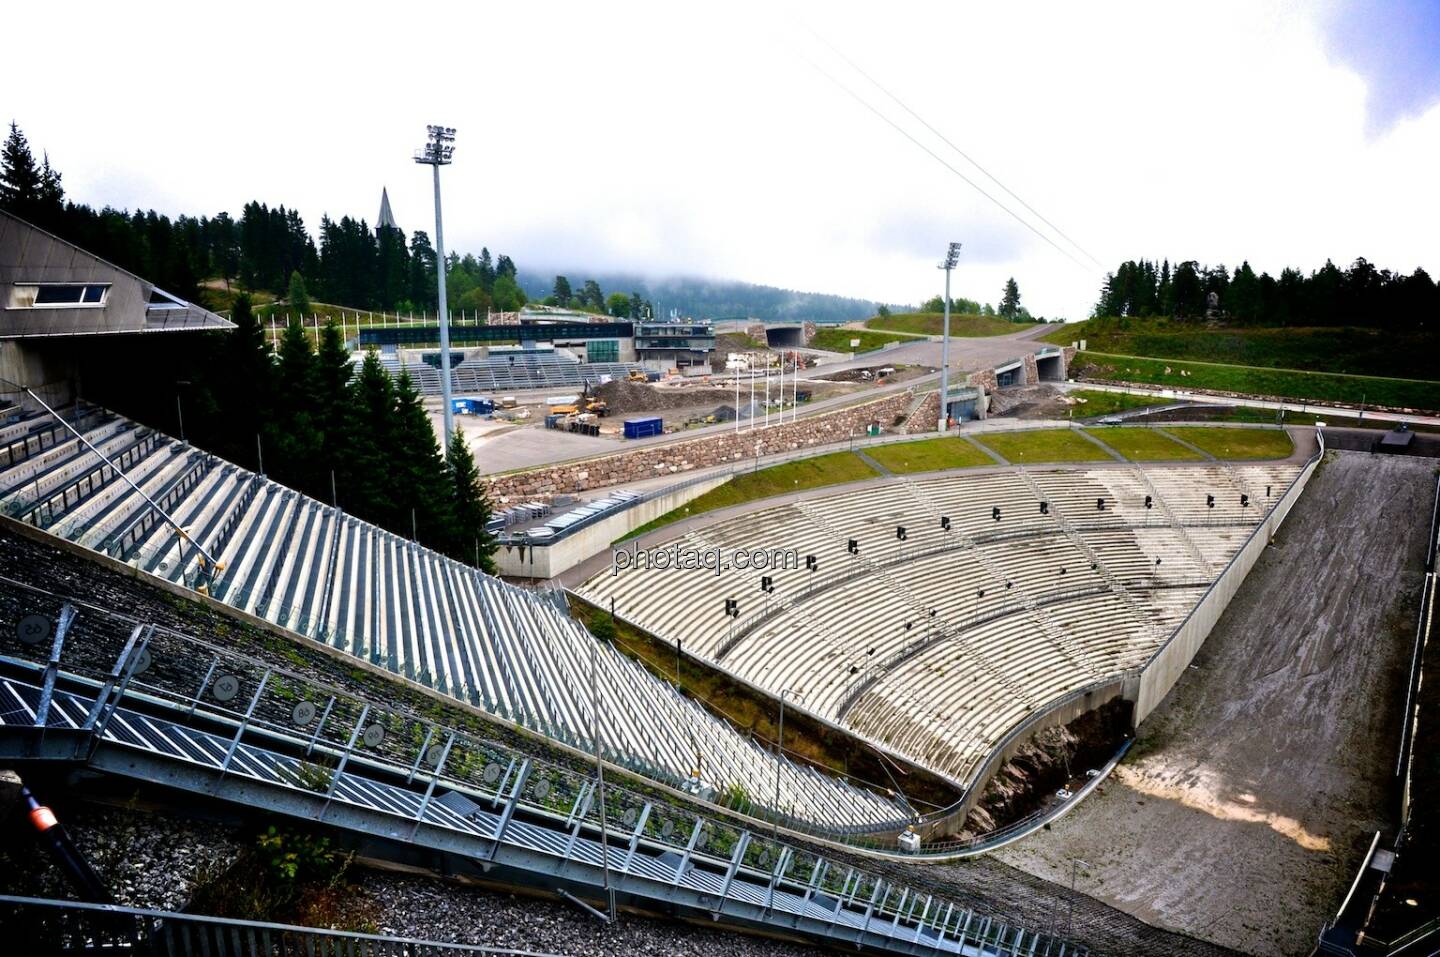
x=1015, y=609
x=281, y=556
x=498, y=374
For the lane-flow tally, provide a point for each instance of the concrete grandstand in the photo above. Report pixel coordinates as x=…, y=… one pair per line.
x=932, y=617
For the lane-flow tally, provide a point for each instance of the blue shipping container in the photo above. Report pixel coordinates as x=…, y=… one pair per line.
x=472, y=405
x=641, y=428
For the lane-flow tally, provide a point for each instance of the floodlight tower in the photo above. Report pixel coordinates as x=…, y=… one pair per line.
x=952, y=256
x=437, y=152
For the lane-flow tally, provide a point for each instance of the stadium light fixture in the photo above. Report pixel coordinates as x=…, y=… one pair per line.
x=438, y=151
x=952, y=257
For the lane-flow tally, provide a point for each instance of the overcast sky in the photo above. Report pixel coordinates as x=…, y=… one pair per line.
x=718, y=141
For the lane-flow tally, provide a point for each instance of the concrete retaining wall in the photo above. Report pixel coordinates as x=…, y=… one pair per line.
x=715, y=448
x=1166, y=666
x=547, y=561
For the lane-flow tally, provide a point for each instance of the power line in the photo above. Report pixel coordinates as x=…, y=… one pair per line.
x=944, y=139
x=941, y=160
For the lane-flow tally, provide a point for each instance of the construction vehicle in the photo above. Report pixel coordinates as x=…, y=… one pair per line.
x=637, y=376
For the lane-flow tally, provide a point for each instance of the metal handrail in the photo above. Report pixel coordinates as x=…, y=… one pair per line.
x=241, y=938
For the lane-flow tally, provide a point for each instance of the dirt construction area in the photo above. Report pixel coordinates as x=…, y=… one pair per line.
x=1244, y=809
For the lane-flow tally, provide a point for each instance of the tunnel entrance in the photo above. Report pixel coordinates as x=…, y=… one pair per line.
x=784, y=337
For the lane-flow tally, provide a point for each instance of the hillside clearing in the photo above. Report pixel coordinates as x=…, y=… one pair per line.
x=1256, y=381
x=933, y=323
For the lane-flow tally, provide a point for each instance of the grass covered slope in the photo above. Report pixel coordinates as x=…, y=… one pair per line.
x=836, y=468
x=932, y=323
x=1031, y=447
x=1251, y=380
x=1093, y=402
x=838, y=340
x=1144, y=445
x=1226, y=443
x=1346, y=350
x=929, y=455
x=1043, y=445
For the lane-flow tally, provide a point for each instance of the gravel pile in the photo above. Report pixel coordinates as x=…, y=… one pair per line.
x=145, y=860
x=415, y=907
x=1034, y=401
x=624, y=397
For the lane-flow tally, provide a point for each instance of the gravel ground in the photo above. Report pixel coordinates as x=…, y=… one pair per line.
x=145, y=860
x=458, y=914
x=1252, y=792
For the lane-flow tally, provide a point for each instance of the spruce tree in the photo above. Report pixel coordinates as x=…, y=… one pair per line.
x=418, y=479
x=294, y=434
x=1010, y=300
x=21, y=182
x=333, y=372
x=369, y=423
x=245, y=386
x=298, y=297
x=470, y=542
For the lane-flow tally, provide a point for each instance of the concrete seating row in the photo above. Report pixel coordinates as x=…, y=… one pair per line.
x=1012, y=609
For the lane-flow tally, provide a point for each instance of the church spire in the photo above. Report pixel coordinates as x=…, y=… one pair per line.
x=386, y=218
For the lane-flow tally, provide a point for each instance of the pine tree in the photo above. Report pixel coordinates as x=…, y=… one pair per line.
x=1010, y=301
x=369, y=423
x=333, y=371
x=297, y=298
x=294, y=436
x=246, y=381
x=21, y=182
x=562, y=291
x=417, y=470
x=470, y=541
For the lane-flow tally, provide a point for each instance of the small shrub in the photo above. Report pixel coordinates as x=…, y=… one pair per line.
x=315, y=776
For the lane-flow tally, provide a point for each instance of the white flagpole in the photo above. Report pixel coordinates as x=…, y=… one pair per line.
x=752, y=400
x=795, y=389
x=767, y=392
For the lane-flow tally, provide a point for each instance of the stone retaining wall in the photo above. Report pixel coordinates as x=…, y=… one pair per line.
x=985, y=379
x=718, y=448
x=925, y=418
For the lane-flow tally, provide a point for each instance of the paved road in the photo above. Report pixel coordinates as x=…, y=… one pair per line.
x=967, y=354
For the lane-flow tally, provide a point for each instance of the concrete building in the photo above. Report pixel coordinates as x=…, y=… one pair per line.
x=682, y=346
x=52, y=292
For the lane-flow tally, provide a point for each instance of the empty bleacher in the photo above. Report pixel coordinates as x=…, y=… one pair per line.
x=295, y=562
x=936, y=644
x=516, y=371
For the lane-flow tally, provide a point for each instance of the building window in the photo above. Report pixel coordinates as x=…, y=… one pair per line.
x=58, y=295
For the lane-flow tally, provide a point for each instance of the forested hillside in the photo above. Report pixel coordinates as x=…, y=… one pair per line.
x=717, y=298
x=264, y=249
x=1361, y=295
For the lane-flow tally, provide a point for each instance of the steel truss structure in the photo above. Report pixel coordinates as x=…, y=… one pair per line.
x=80, y=685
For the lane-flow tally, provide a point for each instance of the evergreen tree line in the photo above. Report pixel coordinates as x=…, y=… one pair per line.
x=1329, y=296
x=1009, y=307
x=591, y=298
x=353, y=265
x=358, y=438
x=702, y=298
